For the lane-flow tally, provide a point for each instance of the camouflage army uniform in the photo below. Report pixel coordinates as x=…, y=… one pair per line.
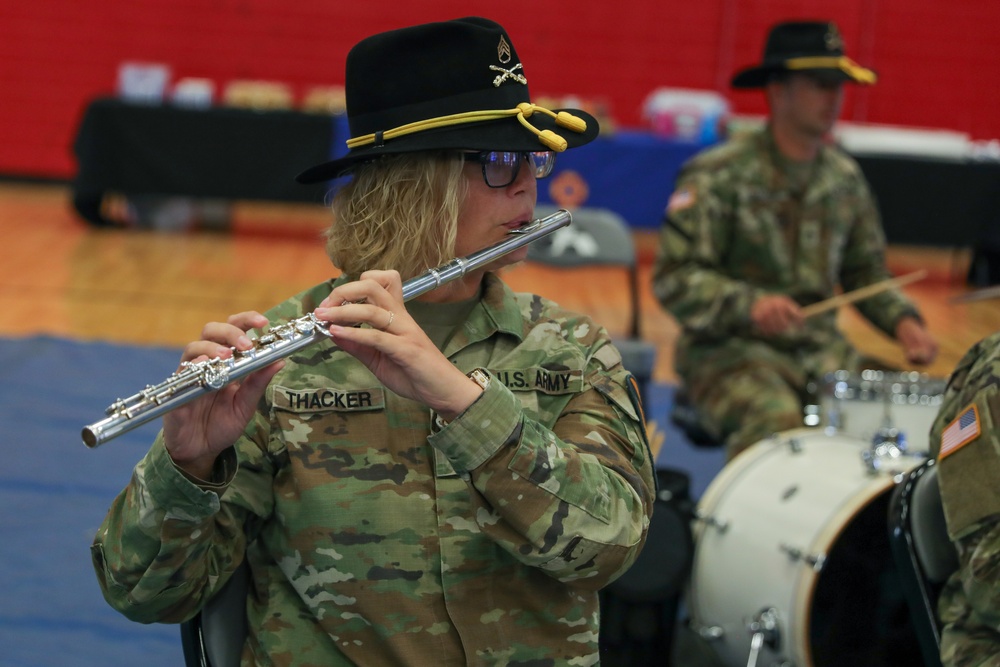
x=744, y=223
x=377, y=538
x=968, y=425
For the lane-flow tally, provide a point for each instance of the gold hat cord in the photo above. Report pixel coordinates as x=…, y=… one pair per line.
x=843, y=63
x=523, y=111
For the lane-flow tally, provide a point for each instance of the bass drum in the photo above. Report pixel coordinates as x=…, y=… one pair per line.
x=792, y=542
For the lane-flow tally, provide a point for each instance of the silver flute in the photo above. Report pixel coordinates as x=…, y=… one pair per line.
x=193, y=379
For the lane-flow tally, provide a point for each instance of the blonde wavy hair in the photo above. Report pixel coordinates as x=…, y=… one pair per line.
x=398, y=212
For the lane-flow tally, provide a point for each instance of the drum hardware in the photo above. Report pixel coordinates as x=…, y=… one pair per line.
x=763, y=629
x=977, y=295
x=877, y=405
x=816, y=562
x=710, y=633
x=812, y=410
x=794, y=445
x=709, y=520
x=812, y=415
x=888, y=449
x=887, y=433
x=665, y=495
x=893, y=437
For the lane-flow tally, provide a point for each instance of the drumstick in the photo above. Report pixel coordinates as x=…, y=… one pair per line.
x=862, y=293
x=978, y=295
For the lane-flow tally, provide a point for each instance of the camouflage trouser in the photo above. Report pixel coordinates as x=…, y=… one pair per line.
x=746, y=390
x=749, y=404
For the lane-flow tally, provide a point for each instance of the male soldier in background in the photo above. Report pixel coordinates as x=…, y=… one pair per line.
x=968, y=439
x=763, y=225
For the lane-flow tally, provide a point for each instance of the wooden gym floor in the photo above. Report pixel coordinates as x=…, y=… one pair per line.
x=66, y=278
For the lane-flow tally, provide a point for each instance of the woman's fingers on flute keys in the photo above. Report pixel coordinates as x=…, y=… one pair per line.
x=219, y=338
x=375, y=299
x=247, y=320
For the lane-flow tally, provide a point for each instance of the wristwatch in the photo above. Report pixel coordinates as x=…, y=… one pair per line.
x=480, y=376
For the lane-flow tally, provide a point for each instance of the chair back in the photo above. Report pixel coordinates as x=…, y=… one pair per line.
x=215, y=637
x=597, y=237
x=640, y=609
x=924, y=554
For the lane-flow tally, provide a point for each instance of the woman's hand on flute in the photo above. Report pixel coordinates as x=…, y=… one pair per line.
x=197, y=432
x=392, y=345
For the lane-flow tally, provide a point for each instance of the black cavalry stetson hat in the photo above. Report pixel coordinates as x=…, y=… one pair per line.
x=449, y=85
x=804, y=46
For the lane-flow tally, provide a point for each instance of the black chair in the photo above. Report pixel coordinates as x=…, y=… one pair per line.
x=695, y=425
x=215, y=637
x=639, y=611
x=600, y=237
x=922, y=551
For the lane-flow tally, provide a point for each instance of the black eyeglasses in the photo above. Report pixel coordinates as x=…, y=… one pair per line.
x=500, y=168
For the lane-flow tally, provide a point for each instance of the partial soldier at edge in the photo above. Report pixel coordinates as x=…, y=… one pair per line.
x=965, y=439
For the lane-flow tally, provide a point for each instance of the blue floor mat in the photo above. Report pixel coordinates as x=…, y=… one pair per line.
x=54, y=493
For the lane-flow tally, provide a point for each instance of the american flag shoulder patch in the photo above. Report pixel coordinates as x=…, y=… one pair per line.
x=681, y=199
x=961, y=431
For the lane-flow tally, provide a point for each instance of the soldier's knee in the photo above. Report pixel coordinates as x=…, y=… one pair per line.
x=759, y=425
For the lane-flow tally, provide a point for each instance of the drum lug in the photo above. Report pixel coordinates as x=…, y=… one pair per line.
x=764, y=630
x=711, y=633
x=812, y=415
x=709, y=520
x=815, y=561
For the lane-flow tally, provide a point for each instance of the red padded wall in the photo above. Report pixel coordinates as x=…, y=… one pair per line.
x=938, y=63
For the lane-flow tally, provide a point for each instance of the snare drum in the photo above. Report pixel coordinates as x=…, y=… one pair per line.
x=792, y=542
x=860, y=404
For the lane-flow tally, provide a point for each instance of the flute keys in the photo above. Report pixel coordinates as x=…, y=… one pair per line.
x=215, y=376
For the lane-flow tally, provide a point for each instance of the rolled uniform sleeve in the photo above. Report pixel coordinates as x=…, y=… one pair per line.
x=573, y=500
x=149, y=553
x=479, y=432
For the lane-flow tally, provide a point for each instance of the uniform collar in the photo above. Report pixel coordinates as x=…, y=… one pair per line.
x=499, y=309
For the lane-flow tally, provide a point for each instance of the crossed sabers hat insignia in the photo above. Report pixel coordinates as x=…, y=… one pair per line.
x=508, y=74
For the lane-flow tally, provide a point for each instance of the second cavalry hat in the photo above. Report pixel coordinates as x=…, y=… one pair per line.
x=804, y=46
x=449, y=85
